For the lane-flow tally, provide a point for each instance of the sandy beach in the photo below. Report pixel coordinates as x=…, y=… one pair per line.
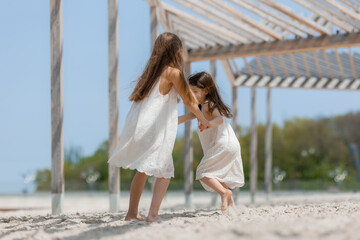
x=286, y=216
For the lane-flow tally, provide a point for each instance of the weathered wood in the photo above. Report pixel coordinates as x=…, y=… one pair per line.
x=253, y=147
x=317, y=64
x=338, y=59
x=292, y=14
x=57, y=133
x=274, y=17
x=261, y=70
x=296, y=71
x=213, y=70
x=212, y=13
x=328, y=63
x=309, y=5
x=352, y=64
x=113, y=50
x=228, y=71
x=277, y=47
x=161, y=15
x=268, y=147
x=306, y=65
x=202, y=24
x=245, y=18
x=188, y=161
x=282, y=64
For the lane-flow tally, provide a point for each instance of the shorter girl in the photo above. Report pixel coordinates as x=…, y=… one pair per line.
x=221, y=167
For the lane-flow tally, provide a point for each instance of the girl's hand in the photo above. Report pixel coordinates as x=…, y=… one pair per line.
x=204, y=124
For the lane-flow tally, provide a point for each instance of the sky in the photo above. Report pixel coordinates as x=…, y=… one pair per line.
x=25, y=113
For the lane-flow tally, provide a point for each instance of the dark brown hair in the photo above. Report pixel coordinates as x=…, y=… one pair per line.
x=167, y=52
x=204, y=80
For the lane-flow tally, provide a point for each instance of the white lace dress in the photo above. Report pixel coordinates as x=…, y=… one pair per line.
x=222, y=156
x=147, y=139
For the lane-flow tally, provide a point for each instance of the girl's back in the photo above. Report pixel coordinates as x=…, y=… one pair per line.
x=149, y=133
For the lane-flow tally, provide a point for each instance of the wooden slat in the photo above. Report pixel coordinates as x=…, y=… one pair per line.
x=232, y=37
x=270, y=65
x=57, y=133
x=352, y=64
x=261, y=70
x=205, y=33
x=213, y=70
x=277, y=47
x=248, y=69
x=245, y=18
x=328, y=63
x=161, y=15
x=188, y=148
x=292, y=14
x=228, y=71
x=317, y=64
x=339, y=63
x=310, y=6
x=272, y=17
x=282, y=64
x=343, y=9
x=113, y=49
x=296, y=71
x=237, y=70
x=222, y=19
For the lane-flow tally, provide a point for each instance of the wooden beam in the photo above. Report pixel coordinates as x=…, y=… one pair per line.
x=188, y=161
x=113, y=53
x=231, y=36
x=317, y=64
x=260, y=26
x=338, y=59
x=221, y=19
x=261, y=70
x=296, y=71
x=336, y=13
x=325, y=14
x=253, y=147
x=352, y=64
x=57, y=133
x=277, y=47
x=205, y=33
x=161, y=15
x=228, y=71
x=343, y=9
x=268, y=146
x=328, y=64
x=248, y=69
x=237, y=70
x=292, y=14
x=213, y=70
x=282, y=64
x=281, y=20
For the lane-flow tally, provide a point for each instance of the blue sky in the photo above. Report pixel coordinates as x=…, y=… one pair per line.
x=25, y=131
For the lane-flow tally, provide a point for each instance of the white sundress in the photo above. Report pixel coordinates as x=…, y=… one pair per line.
x=148, y=137
x=222, y=156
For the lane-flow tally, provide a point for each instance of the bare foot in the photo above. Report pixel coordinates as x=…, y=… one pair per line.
x=225, y=200
x=152, y=218
x=130, y=217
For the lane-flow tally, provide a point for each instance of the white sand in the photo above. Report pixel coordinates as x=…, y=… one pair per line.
x=286, y=216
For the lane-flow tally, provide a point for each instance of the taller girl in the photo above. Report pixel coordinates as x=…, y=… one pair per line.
x=148, y=137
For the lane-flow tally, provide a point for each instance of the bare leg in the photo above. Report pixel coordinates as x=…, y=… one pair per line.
x=137, y=186
x=160, y=188
x=231, y=201
x=225, y=193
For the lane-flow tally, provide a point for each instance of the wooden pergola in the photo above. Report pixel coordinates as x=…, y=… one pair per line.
x=279, y=48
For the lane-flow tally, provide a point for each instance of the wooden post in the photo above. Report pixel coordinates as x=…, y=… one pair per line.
x=235, y=128
x=188, y=161
x=268, y=148
x=253, y=147
x=154, y=32
x=113, y=48
x=57, y=134
x=213, y=74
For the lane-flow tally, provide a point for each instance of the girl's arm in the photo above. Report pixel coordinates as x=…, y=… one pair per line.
x=217, y=120
x=176, y=77
x=187, y=117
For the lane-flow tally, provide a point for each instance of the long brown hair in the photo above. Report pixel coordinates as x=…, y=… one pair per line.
x=167, y=51
x=203, y=80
